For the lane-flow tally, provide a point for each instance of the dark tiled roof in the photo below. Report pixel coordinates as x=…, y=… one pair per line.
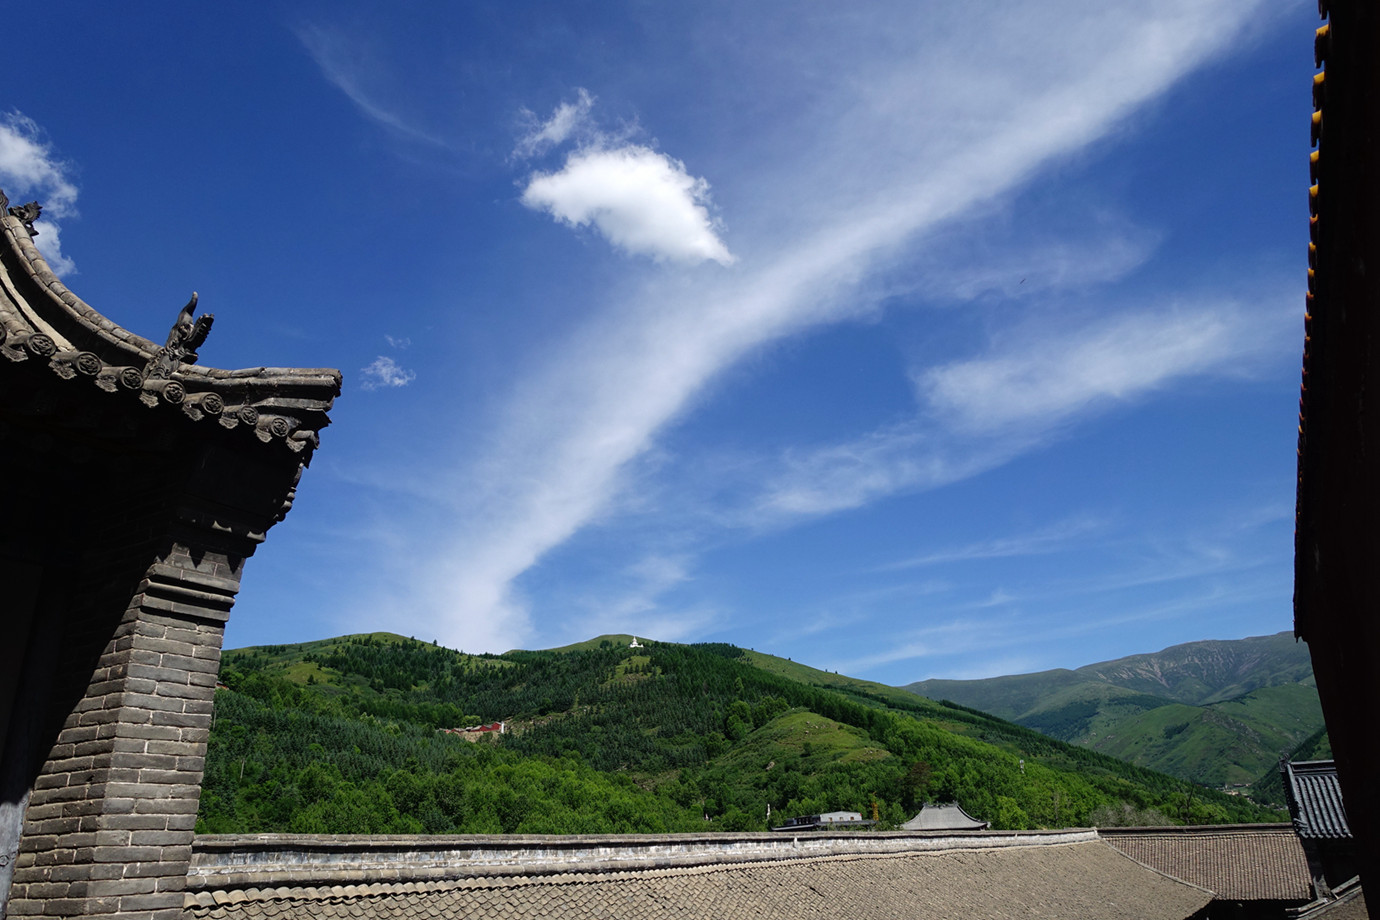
x=1251, y=862
x=1048, y=880
x=1349, y=904
x=949, y=817
x=1315, y=800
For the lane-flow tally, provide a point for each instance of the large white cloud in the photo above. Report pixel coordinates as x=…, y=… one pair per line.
x=642, y=201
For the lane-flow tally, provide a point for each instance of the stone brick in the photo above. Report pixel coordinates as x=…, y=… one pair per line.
x=160, y=838
x=184, y=806
x=75, y=735
x=168, y=777
x=209, y=652
x=142, y=762
x=149, y=627
x=190, y=635
x=116, y=804
x=99, y=717
x=48, y=889
x=42, y=842
x=181, y=719
x=183, y=662
x=192, y=764
x=181, y=691
x=92, y=748
x=152, y=732
x=141, y=792
x=153, y=870
x=62, y=825
x=160, y=673
x=133, y=822
x=181, y=822
x=149, y=701
x=86, y=872
x=62, y=907
x=112, y=838
x=173, y=748
x=125, y=854
x=127, y=886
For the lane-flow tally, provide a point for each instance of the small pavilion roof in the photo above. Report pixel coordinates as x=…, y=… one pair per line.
x=950, y=817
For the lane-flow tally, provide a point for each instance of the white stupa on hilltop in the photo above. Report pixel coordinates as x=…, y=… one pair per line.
x=635, y=644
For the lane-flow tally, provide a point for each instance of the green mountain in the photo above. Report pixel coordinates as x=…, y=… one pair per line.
x=1219, y=712
x=347, y=735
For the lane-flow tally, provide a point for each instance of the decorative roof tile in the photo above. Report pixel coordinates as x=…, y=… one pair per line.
x=1315, y=799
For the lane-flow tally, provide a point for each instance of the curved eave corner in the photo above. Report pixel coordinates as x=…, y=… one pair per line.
x=44, y=324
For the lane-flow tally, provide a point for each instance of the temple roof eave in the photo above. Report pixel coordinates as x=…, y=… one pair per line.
x=44, y=324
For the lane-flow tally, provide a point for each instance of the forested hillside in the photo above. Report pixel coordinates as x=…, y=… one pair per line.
x=1218, y=712
x=345, y=736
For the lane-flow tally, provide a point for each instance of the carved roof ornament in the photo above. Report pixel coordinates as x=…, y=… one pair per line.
x=46, y=329
x=27, y=214
x=184, y=339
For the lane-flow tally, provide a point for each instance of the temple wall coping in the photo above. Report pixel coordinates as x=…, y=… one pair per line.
x=271, y=860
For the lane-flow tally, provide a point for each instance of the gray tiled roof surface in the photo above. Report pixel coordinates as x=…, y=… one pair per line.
x=943, y=817
x=1239, y=863
x=1315, y=800
x=1089, y=879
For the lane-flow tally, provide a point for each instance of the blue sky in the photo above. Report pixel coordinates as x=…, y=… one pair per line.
x=904, y=339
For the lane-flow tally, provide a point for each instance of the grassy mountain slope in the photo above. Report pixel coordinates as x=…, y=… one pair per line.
x=343, y=735
x=1217, y=712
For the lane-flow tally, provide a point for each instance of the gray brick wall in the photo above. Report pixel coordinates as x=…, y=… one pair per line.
x=111, y=816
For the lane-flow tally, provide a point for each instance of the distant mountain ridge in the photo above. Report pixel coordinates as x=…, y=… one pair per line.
x=1219, y=712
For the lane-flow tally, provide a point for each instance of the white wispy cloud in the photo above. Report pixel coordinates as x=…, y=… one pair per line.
x=346, y=64
x=1054, y=538
x=980, y=413
x=899, y=144
x=1045, y=379
x=641, y=201
x=30, y=169
x=963, y=264
x=385, y=372
x=568, y=120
